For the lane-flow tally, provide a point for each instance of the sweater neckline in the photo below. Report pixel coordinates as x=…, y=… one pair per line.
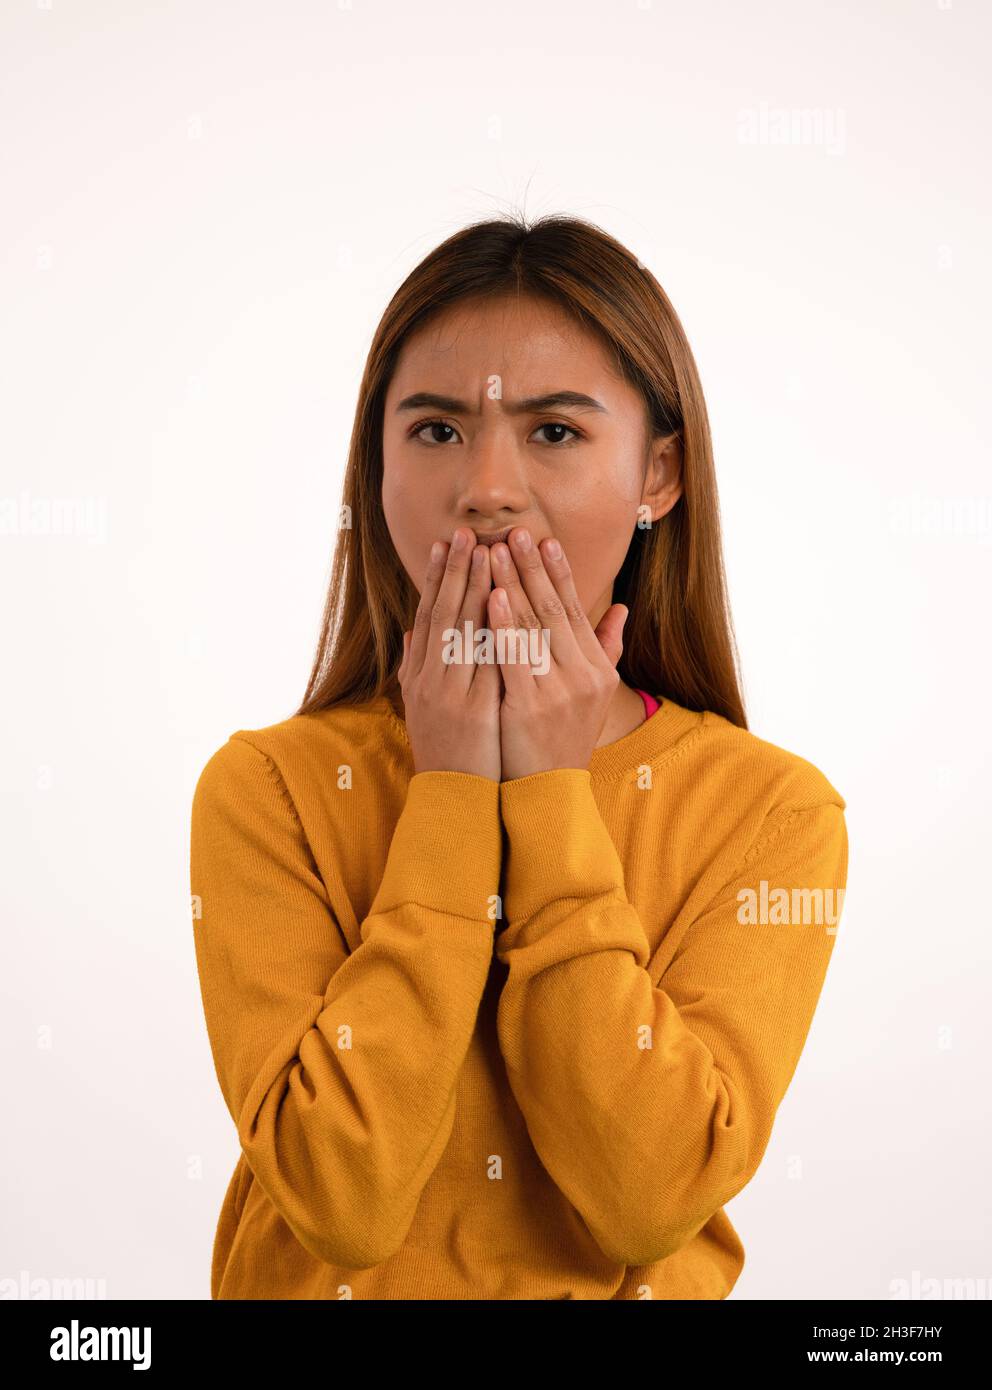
x=652, y=738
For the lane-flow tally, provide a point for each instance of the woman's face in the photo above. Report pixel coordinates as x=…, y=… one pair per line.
x=497, y=458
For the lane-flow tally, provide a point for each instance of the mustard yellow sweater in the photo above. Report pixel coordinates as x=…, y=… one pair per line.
x=503, y=1041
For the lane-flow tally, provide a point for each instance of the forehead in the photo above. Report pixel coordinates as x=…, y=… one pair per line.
x=536, y=344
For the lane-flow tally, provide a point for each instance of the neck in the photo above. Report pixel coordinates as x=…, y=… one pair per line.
x=625, y=714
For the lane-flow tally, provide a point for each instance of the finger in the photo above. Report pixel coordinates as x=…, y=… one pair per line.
x=475, y=609
x=428, y=597
x=560, y=573
x=522, y=610
x=443, y=612
x=609, y=632
x=448, y=604
x=529, y=578
x=516, y=670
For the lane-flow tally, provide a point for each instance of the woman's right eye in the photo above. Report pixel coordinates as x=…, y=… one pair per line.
x=430, y=424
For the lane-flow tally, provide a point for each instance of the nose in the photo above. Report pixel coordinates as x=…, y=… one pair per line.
x=493, y=487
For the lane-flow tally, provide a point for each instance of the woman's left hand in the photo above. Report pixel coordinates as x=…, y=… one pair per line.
x=553, y=719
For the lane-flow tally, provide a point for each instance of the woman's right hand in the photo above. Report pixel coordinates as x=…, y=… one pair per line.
x=452, y=709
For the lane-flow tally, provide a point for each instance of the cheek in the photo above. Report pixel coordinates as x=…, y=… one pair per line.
x=595, y=555
x=393, y=504
x=409, y=529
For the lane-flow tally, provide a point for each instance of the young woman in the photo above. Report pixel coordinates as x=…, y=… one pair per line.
x=509, y=950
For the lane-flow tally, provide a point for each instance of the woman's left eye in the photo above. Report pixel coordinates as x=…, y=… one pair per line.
x=550, y=426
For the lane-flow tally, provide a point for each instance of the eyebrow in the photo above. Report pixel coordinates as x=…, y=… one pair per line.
x=421, y=400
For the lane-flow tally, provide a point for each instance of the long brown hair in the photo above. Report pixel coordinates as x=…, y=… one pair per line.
x=679, y=639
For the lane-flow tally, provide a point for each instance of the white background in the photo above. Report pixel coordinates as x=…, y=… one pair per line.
x=206, y=210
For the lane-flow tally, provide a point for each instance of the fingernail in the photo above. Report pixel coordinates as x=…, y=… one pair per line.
x=437, y=550
x=523, y=540
x=554, y=550
x=458, y=540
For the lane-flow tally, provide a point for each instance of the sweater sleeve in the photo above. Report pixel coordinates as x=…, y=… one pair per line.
x=651, y=1107
x=339, y=1067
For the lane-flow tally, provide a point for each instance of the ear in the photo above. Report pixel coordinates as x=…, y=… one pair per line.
x=663, y=478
